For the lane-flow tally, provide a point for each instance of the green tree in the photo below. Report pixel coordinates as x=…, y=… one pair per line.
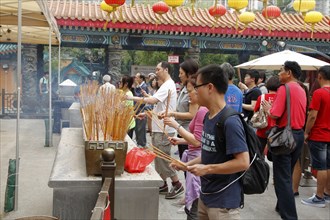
x=207, y=58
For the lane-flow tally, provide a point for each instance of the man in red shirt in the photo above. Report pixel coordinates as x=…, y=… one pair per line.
x=283, y=164
x=317, y=133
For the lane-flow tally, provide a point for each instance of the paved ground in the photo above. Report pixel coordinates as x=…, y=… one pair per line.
x=35, y=197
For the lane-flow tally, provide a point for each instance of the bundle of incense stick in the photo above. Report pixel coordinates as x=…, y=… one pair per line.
x=160, y=154
x=105, y=114
x=153, y=116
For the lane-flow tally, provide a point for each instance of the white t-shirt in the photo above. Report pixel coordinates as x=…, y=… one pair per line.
x=107, y=87
x=161, y=95
x=44, y=84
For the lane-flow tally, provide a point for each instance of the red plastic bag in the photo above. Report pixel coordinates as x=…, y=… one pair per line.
x=138, y=159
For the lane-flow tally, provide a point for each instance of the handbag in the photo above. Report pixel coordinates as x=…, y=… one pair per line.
x=259, y=119
x=280, y=140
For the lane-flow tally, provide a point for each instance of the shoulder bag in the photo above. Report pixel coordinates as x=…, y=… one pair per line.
x=280, y=140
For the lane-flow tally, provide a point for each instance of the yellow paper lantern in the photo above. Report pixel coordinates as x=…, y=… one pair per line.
x=303, y=5
x=105, y=7
x=246, y=18
x=238, y=4
x=312, y=18
x=174, y=3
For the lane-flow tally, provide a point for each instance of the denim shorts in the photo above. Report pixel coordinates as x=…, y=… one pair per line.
x=320, y=154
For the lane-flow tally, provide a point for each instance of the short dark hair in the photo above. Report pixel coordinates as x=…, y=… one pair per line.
x=294, y=67
x=166, y=65
x=142, y=76
x=228, y=68
x=273, y=83
x=254, y=74
x=189, y=66
x=325, y=72
x=214, y=74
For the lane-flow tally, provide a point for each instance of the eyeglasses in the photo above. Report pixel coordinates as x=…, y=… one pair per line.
x=197, y=86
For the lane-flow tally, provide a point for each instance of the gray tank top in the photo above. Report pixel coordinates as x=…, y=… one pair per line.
x=183, y=106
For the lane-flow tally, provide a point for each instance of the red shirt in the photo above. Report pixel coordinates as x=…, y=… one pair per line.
x=321, y=103
x=271, y=122
x=298, y=102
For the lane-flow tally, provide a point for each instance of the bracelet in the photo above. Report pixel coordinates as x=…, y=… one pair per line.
x=177, y=129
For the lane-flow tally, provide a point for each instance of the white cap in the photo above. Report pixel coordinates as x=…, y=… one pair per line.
x=106, y=78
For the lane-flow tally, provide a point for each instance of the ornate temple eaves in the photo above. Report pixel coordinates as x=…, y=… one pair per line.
x=141, y=19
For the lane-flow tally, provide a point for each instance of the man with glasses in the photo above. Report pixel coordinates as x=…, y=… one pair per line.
x=219, y=163
x=165, y=96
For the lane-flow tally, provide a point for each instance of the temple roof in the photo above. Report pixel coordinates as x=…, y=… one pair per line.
x=78, y=66
x=88, y=15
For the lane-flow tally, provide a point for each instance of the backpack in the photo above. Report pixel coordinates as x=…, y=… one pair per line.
x=255, y=179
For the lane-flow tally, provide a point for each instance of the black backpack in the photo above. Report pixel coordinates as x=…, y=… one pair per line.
x=255, y=179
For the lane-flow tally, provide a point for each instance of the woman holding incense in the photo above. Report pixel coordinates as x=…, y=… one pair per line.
x=185, y=110
x=192, y=138
x=126, y=85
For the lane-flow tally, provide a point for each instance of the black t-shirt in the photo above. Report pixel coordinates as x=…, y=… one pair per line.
x=251, y=95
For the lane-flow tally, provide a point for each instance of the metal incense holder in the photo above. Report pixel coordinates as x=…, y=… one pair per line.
x=93, y=155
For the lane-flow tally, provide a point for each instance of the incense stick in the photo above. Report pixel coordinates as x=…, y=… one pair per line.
x=167, y=104
x=163, y=155
x=156, y=120
x=105, y=114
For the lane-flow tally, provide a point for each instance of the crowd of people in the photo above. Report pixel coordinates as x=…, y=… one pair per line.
x=190, y=123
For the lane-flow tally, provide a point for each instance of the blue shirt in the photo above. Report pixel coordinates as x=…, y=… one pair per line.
x=234, y=98
x=214, y=153
x=138, y=92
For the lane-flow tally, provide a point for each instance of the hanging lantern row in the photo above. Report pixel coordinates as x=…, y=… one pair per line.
x=218, y=10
